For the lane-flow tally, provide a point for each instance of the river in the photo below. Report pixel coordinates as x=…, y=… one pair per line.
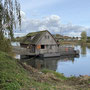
x=68, y=65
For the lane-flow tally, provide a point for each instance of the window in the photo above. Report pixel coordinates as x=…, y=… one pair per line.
x=46, y=37
x=42, y=46
x=50, y=47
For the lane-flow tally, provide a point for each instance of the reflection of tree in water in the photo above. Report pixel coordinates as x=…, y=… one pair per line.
x=47, y=63
x=88, y=46
x=83, y=50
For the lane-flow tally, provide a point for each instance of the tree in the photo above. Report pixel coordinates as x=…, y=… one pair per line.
x=83, y=37
x=9, y=16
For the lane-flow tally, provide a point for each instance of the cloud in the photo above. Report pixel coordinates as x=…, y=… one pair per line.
x=51, y=23
x=23, y=15
x=73, y=30
x=19, y=34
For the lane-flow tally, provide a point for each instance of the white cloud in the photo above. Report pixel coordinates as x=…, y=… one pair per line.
x=43, y=28
x=51, y=23
x=19, y=34
x=23, y=15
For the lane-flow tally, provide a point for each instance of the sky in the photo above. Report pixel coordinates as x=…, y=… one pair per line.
x=67, y=17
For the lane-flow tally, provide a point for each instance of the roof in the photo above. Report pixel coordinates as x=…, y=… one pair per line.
x=32, y=38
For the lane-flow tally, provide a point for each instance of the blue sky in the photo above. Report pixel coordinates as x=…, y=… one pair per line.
x=72, y=12
x=75, y=11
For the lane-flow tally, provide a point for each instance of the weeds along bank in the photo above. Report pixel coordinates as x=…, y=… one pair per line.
x=15, y=75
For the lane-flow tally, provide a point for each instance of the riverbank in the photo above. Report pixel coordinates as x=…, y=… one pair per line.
x=77, y=42
x=18, y=76
x=73, y=43
x=69, y=43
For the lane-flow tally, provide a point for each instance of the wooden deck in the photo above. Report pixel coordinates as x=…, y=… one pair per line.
x=22, y=51
x=63, y=51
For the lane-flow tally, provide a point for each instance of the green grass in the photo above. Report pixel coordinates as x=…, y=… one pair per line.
x=14, y=77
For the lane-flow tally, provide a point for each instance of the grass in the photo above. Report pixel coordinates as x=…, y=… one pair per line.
x=16, y=76
x=58, y=75
x=12, y=75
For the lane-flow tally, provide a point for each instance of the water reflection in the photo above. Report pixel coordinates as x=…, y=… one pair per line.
x=83, y=50
x=15, y=43
x=68, y=65
x=47, y=63
x=88, y=46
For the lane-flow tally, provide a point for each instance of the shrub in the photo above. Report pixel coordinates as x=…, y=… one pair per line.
x=5, y=44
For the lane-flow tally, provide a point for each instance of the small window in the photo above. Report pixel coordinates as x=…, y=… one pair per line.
x=50, y=47
x=46, y=37
x=42, y=46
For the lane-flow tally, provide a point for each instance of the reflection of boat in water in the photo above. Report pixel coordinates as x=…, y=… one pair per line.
x=41, y=63
x=47, y=63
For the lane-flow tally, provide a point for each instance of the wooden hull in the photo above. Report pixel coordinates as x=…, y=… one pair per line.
x=58, y=54
x=61, y=52
x=50, y=55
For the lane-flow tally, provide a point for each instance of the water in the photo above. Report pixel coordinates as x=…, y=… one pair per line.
x=15, y=43
x=69, y=66
x=80, y=66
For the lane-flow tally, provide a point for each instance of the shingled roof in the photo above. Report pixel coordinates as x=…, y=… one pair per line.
x=32, y=38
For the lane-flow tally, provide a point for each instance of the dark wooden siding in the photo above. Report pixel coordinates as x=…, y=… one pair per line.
x=24, y=45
